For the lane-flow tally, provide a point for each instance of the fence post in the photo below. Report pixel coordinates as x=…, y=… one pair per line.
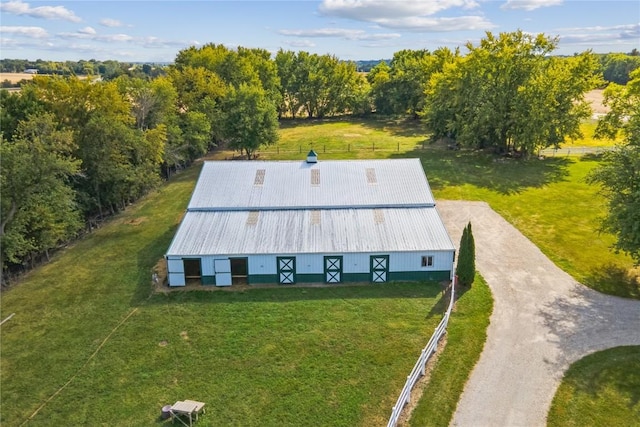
x=373, y=146
x=398, y=147
x=408, y=392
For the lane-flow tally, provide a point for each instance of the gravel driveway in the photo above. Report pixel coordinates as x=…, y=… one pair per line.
x=542, y=321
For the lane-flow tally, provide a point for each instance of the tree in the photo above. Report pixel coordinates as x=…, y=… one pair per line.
x=619, y=173
x=617, y=67
x=508, y=95
x=16, y=107
x=466, y=268
x=249, y=119
x=38, y=207
x=286, y=66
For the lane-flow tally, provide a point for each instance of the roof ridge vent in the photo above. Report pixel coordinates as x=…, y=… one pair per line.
x=312, y=157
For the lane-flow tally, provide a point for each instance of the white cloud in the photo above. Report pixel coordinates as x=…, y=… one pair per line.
x=112, y=23
x=87, y=30
x=409, y=15
x=340, y=33
x=425, y=24
x=301, y=43
x=32, y=32
x=530, y=5
x=17, y=7
x=601, y=35
x=374, y=10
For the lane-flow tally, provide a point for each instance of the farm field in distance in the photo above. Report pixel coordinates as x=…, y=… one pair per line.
x=339, y=354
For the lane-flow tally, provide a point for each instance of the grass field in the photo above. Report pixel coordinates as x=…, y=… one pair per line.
x=466, y=335
x=90, y=344
x=602, y=389
x=15, y=77
x=548, y=200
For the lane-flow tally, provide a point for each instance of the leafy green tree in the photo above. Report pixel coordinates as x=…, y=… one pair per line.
x=119, y=163
x=617, y=67
x=249, y=119
x=466, y=268
x=38, y=206
x=286, y=62
x=325, y=85
x=399, y=88
x=16, y=107
x=507, y=94
x=619, y=172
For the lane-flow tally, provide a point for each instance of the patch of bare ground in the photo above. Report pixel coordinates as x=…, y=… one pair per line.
x=418, y=388
x=596, y=98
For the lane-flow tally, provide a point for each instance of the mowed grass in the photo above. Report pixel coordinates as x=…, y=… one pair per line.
x=548, y=200
x=91, y=345
x=335, y=356
x=466, y=335
x=602, y=389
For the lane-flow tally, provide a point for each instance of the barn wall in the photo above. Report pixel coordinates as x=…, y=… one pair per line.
x=406, y=266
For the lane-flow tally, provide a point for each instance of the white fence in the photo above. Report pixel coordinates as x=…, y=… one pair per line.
x=419, y=367
x=576, y=151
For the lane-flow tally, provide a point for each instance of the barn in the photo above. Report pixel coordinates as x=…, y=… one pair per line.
x=296, y=222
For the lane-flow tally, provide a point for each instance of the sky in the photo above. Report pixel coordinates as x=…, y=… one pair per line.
x=155, y=31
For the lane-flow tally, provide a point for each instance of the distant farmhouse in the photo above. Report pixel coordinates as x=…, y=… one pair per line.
x=291, y=222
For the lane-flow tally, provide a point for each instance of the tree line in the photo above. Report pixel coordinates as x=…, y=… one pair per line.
x=76, y=150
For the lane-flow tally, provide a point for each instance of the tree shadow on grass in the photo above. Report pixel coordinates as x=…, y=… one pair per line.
x=615, y=368
x=445, y=168
x=613, y=279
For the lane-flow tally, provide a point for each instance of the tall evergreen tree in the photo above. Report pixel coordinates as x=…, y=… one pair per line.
x=466, y=268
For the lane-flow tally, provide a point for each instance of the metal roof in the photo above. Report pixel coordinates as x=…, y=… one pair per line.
x=258, y=185
x=310, y=231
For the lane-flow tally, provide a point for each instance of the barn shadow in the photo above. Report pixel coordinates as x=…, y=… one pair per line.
x=146, y=259
x=287, y=293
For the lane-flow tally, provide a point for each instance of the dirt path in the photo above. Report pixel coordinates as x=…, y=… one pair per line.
x=543, y=320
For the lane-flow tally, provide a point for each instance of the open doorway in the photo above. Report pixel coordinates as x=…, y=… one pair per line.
x=192, y=270
x=239, y=270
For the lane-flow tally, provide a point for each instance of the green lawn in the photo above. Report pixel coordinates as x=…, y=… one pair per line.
x=548, y=200
x=602, y=389
x=91, y=343
x=465, y=338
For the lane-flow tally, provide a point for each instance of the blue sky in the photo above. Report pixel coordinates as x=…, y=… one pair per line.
x=155, y=31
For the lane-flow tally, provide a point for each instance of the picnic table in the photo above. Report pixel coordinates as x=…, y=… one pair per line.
x=187, y=408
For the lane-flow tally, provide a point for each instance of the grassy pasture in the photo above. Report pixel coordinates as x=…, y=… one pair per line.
x=601, y=389
x=335, y=356
x=548, y=200
x=90, y=344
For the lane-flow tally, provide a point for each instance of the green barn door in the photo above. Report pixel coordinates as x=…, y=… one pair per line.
x=286, y=270
x=379, y=268
x=333, y=269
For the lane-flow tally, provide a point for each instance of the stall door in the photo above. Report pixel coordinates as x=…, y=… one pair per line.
x=333, y=269
x=223, y=272
x=379, y=268
x=286, y=270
